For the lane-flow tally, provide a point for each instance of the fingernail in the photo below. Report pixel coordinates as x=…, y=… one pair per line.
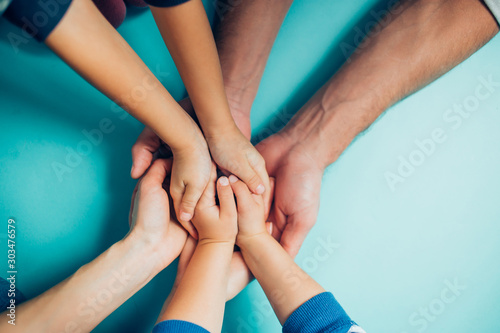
x=185, y=217
x=223, y=181
x=233, y=179
x=260, y=189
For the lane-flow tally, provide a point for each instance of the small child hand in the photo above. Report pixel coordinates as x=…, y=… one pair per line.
x=234, y=154
x=216, y=223
x=251, y=211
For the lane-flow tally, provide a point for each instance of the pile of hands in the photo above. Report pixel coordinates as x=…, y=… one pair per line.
x=174, y=205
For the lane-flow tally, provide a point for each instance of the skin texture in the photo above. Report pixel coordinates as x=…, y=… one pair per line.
x=286, y=285
x=188, y=35
x=153, y=242
x=91, y=46
x=419, y=41
x=201, y=295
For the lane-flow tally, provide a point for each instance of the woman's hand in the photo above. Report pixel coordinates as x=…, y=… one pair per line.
x=150, y=217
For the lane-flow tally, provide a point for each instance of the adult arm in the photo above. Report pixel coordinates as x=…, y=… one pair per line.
x=415, y=44
x=82, y=301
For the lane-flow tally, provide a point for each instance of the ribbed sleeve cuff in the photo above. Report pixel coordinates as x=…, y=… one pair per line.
x=165, y=3
x=322, y=313
x=169, y=326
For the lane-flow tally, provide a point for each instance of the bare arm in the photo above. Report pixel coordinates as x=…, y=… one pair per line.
x=83, y=300
x=245, y=37
x=201, y=295
x=92, y=47
x=420, y=41
x=286, y=285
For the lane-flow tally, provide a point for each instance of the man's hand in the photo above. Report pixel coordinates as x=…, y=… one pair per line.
x=296, y=189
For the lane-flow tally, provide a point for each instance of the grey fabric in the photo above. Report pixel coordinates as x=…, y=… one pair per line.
x=3, y=5
x=494, y=6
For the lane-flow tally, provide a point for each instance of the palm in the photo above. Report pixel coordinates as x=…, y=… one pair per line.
x=296, y=192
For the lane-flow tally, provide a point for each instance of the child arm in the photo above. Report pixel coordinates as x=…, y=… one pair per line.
x=201, y=294
x=299, y=302
x=187, y=33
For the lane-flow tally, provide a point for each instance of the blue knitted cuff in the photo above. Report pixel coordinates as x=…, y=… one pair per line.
x=322, y=313
x=169, y=326
x=165, y=3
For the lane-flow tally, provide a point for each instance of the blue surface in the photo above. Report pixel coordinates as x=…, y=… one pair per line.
x=395, y=252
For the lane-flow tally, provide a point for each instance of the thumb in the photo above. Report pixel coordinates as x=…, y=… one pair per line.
x=251, y=178
x=142, y=152
x=296, y=229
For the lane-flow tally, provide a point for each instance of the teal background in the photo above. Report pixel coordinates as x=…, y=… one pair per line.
x=394, y=249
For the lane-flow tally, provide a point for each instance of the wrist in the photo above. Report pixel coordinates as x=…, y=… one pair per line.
x=154, y=253
x=245, y=241
x=324, y=132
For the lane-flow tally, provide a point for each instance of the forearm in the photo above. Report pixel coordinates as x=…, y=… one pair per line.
x=245, y=37
x=201, y=295
x=419, y=41
x=93, y=48
x=286, y=285
x=187, y=33
x=83, y=300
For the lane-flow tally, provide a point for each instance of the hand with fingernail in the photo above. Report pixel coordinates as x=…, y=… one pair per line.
x=216, y=223
x=234, y=154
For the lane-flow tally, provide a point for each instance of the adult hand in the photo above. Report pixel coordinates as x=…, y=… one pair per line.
x=150, y=217
x=296, y=189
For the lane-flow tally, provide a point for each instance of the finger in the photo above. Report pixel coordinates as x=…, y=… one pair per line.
x=178, y=193
x=188, y=203
x=208, y=197
x=269, y=197
x=142, y=152
x=157, y=173
x=252, y=179
x=226, y=199
x=242, y=193
x=295, y=232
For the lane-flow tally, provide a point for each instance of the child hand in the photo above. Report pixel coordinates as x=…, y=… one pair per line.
x=234, y=154
x=216, y=223
x=251, y=211
x=190, y=176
